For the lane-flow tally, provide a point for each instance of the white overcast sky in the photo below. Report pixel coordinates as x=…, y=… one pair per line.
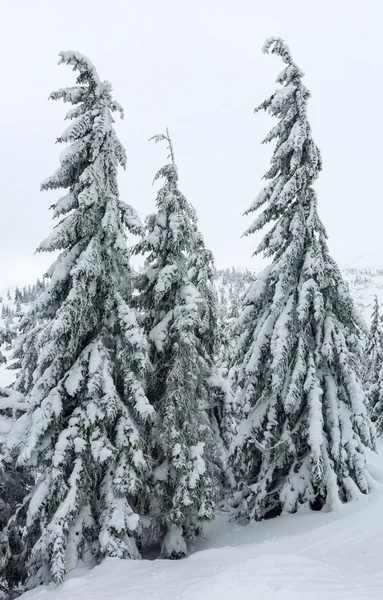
x=195, y=66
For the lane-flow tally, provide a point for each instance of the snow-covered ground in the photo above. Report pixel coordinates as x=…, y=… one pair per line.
x=316, y=555
x=307, y=556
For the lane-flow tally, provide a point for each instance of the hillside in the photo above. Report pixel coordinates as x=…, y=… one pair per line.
x=14, y=302
x=364, y=283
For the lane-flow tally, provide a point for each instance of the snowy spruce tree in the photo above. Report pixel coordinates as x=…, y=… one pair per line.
x=202, y=274
x=232, y=284
x=175, y=297
x=296, y=361
x=222, y=419
x=7, y=335
x=15, y=483
x=82, y=366
x=374, y=367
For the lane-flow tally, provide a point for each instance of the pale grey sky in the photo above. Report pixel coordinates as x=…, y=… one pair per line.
x=196, y=67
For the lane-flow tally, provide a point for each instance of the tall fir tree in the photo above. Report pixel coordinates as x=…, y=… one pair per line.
x=296, y=361
x=176, y=298
x=374, y=367
x=83, y=366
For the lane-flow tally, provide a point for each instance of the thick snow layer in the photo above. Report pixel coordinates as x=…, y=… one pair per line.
x=317, y=555
x=322, y=556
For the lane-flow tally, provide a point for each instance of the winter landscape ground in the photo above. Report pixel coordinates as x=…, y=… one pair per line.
x=308, y=556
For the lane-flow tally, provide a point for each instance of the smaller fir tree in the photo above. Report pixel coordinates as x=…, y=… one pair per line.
x=374, y=367
x=6, y=336
x=176, y=297
x=201, y=274
x=14, y=485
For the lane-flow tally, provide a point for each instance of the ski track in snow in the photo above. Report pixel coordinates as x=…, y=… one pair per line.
x=308, y=556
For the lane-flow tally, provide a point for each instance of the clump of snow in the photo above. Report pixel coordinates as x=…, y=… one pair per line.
x=174, y=542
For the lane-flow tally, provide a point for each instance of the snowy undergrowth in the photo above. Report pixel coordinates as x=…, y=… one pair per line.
x=315, y=555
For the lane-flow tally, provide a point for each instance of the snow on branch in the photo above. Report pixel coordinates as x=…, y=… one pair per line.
x=11, y=399
x=159, y=137
x=87, y=78
x=80, y=63
x=265, y=449
x=277, y=45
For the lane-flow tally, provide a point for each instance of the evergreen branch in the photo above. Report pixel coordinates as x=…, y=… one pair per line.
x=263, y=448
x=277, y=45
x=9, y=593
x=159, y=137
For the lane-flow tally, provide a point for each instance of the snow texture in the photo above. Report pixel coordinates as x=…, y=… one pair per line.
x=307, y=556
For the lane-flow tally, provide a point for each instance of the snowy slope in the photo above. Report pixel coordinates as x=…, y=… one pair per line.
x=364, y=282
x=321, y=556
x=7, y=299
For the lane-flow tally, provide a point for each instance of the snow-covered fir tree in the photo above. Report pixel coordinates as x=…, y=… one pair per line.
x=374, y=343
x=7, y=334
x=298, y=353
x=12, y=312
x=176, y=296
x=202, y=274
x=83, y=357
x=231, y=285
x=14, y=483
x=374, y=367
